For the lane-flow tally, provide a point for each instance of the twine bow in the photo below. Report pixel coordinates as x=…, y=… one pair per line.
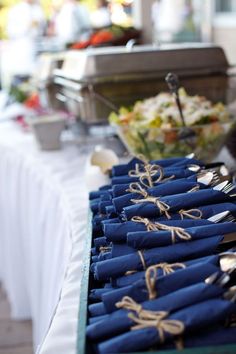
x=147, y=318
x=146, y=173
x=191, y=214
x=162, y=206
x=175, y=231
x=173, y=327
x=151, y=275
x=151, y=226
x=135, y=187
x=129, y=304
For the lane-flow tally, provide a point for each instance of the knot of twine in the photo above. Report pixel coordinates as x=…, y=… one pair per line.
x=191, y=214
x=151, y=275
x=147, y=318
x=174, y=230
x=135, y=187
x=128, y=303
x=158, y=321
x=162, y=206
x=147, y=172
x=104, y=248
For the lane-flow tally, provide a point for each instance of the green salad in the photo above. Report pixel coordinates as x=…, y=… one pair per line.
x=152, y=126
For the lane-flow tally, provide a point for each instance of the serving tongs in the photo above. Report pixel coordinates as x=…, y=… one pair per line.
x=172, y=81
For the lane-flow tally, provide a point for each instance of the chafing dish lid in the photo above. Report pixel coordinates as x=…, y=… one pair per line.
x=115, y=62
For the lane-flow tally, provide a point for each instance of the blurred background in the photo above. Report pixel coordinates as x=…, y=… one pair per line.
x=31, y=27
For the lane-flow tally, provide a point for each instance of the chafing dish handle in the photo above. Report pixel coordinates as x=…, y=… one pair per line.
x=78, y=98
x=62, y=98
x=103, y=99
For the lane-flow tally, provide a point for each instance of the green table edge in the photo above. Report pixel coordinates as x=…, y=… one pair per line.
x=82, y=315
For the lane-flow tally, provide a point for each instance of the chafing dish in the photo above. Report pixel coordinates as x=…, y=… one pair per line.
x=43, y=79
x=94, y=82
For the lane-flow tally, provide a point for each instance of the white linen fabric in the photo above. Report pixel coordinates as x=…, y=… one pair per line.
x=43, y=216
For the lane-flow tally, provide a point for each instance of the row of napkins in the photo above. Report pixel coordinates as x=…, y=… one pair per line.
x=158, y=230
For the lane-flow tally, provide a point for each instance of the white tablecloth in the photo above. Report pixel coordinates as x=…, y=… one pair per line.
x=43, y=214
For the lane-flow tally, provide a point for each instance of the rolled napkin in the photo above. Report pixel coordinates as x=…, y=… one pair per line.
x=94, y=252
x=117, y=232
x=96, y=294
x=130, y=279
x=119, y=321
x=160, y=176
x=123, y=169
x=98, y=194
x=101, y=242
x=142, y=260
x=207, y=211
x=95, y=319
x=102, y=205
x=214, y=336
x=173, y=234
x=111, y=212
x=152, y=206
x=111, y=221
x=120, y=249
x=104, y=256
x=97, y=309
x=121, y=189
x=95, y=259
x=152, y=286
x=156, y=328
x=94, y=205
x=106, y=197
x=136, y=191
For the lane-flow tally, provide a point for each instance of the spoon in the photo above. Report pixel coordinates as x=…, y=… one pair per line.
x=227, y=261
x=172, y=81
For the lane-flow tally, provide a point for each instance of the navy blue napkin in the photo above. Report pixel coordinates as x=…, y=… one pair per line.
x=97, y=309
x=120, y=249
x=214, y=336
x=118, y=232
x=195, y=317
x=95, y=319
x=130, y=279
x=176, y=172
x=123, y=169
x=118, y=322
x=121, y=189
x=168, y=188
x=101, y=242
x=111, y=212
x=102, y=205
x=164, y=285
x=145, y=239
x=207, y=211
x=177, y=202
x=179, y=252
x=96, y=294
x=98, y=194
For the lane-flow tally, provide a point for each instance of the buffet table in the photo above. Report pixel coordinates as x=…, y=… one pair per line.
x=43, y=214
x=43, y=217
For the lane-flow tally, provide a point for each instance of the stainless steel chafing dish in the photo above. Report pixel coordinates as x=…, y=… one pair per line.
x=44, y=82
x=94, y=82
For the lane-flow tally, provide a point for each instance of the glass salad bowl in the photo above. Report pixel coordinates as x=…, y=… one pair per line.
x=153, y=127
